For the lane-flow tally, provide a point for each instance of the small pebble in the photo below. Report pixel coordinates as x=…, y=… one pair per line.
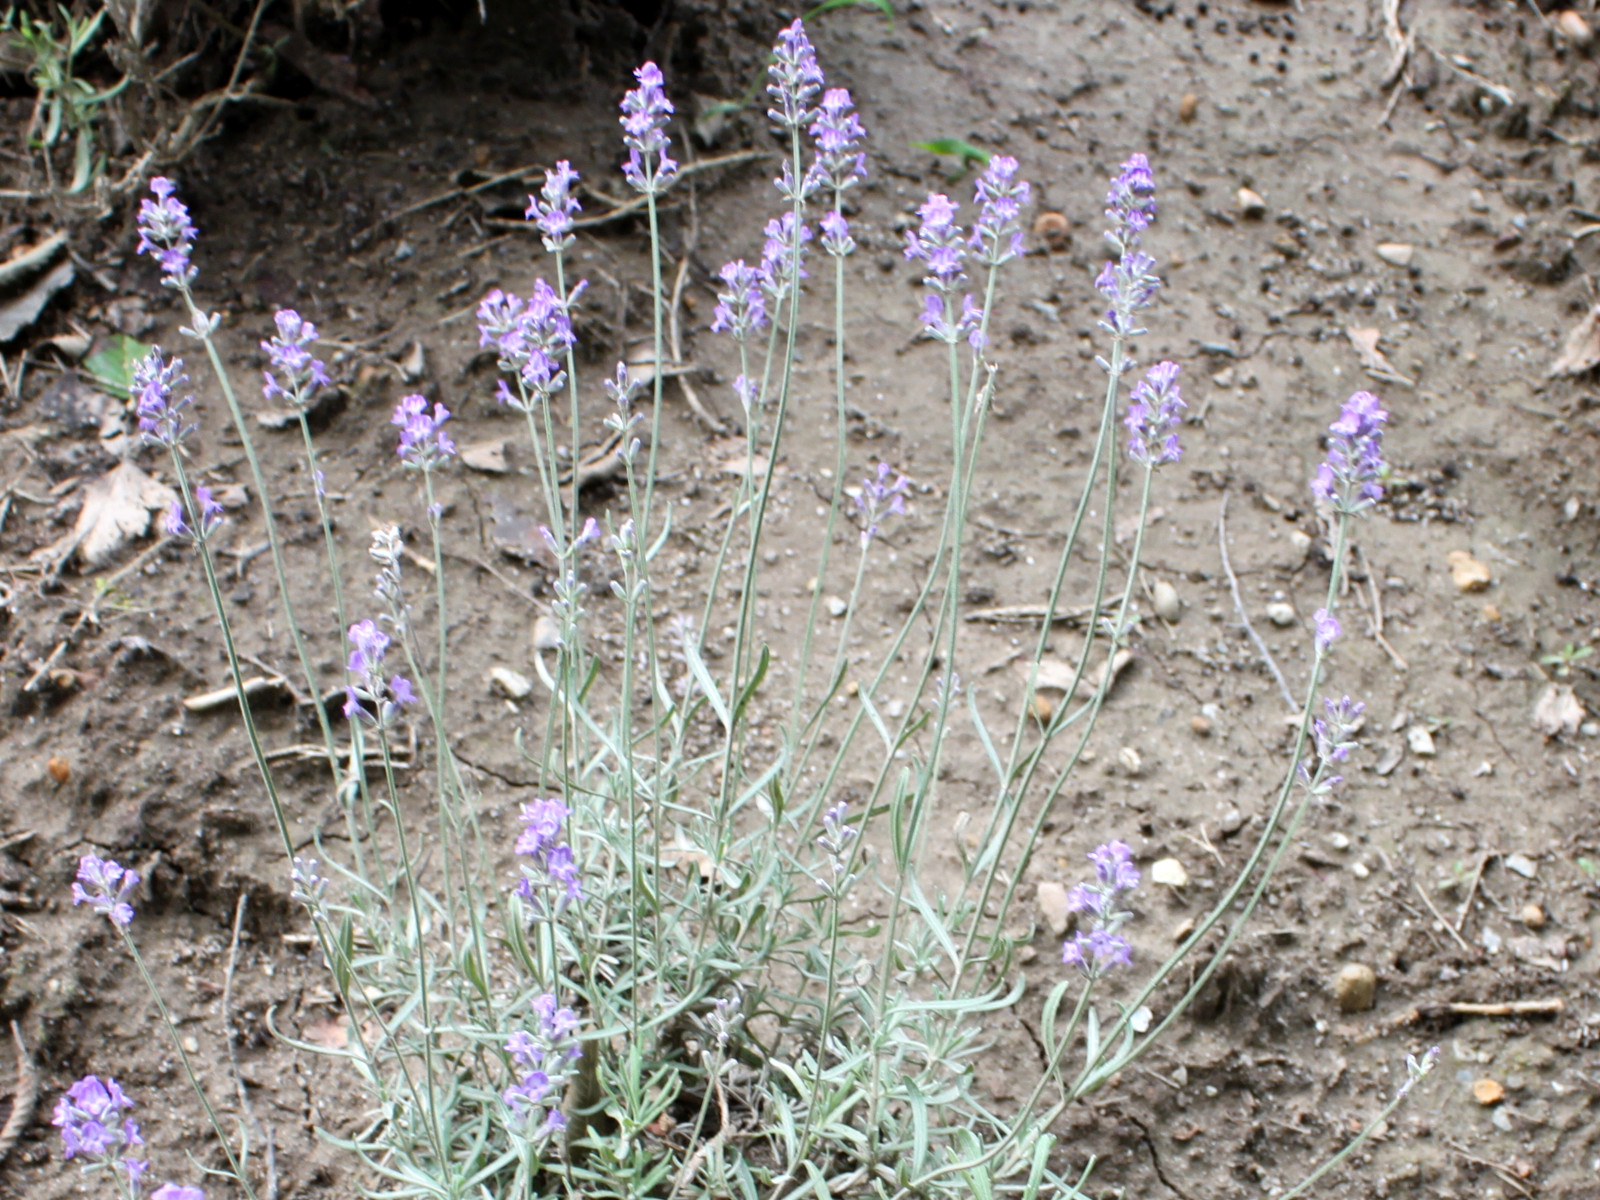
x=1281, y=614
x=1522, y=865
x=1491, y=612
x=1190, y=104
x=60, y=770
x=1169, y=871
x=1339, y=841
x=1200, y=726
x=1573, y=27
x=1168, y=606
x=836, y=606
x=1301, y=541
x=1041, y=708
x=1488, y=1091
x=513, y=685
x=1395, y=253
x=1469, y=574
x=1420, y=741
x=1533, y=916
x=1232, y=821
x=1053, y=229
x=546, y=633
x=191, y=1044
x=1360, y=870
x=1355, y=987
x=1051, y=897
x=1183, y=930
x=1250, y=203
x=1131, y=762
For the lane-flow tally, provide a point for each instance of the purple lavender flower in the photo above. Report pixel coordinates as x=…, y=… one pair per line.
x=741, y=310
x=941, y=243
x=1327, y=629
x=553, y=208
x=369, y=697
x=997, y=233
x=306, y=885
x=105, y=887
x=1100, y=946
x=645, y=112
x=167, y=234
x=836, y=239
x=880, y=497
x=545, y=1057
x=93, y=1120
x=1347, y=479
x=837, y=838
x=173, y=1191
x=1131, y=203
x=838, y=134
x=161, y=416
x=532, y=339
x=293, y=373
x=783, y=255
x=1153, y=416
x=423, y=442
x=1335, y=736
x=553, y=870
x=796, y=77
x=1129, y=283
x=938, y=242
x=210, y=517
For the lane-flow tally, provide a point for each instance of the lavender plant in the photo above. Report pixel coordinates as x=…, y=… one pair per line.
x=671, y=950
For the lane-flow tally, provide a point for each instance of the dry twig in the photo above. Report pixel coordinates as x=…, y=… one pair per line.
x=22, y=1099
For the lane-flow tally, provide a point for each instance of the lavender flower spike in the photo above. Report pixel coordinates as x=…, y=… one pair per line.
x=367, y=685
x=1327, y=629
x=879, y=498
x=1347, y=480
x=553, y=208
x=838, y=133
x=167, y=234
x=93, y=1120
x=1100, y=946
x=1131, y=203
x=796, y=77
x=645, y=113
x=210, y=517
x=105, y=887
x=740, y=310
x=293, y=373
x=1153, y=416
x=161, y=416
x=173, y=1191
x=553, y=870
x=783, y=256
x=997, y=233
x=423, y=442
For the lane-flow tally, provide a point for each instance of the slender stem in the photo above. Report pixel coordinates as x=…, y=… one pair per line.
x=273, y=542
x=183, y=1057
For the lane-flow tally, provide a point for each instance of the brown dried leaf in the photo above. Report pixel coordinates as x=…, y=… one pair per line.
x=489, y=456
x=1365, y=342
x=1581, y=351
x=116, y=507
x=1558, y=711
x=331, y=1033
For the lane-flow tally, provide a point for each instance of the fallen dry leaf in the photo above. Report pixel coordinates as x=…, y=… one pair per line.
x=1365, y=342
x=116, y=507
x=1469, y=574
x=331, y=1033
x=1055, y=675
x=1558, y=711
x=489, y=457
x=1581, y=351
